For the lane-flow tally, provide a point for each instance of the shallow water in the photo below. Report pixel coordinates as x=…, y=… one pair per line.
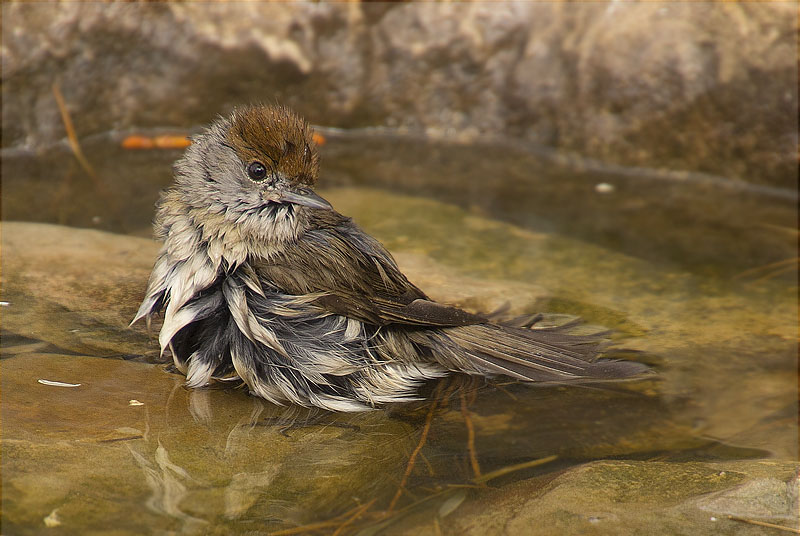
x=672, y=264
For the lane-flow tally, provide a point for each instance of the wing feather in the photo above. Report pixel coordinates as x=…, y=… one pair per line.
x=357, y=277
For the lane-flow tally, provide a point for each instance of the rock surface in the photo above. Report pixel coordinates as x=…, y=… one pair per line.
x=630, y=497
x=77, y=290
x=129, y=438
x=696, y=87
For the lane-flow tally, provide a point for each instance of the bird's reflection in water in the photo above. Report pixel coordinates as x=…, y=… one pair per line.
x=221, y=456
x=168, y=483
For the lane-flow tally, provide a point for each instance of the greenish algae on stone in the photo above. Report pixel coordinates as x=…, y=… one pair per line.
x=628, y=498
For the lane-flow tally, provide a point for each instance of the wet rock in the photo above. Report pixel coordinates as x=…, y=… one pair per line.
x=760, y=498
x=76, y=289
x=129, y=438
x=632, y=497
x=708, y=333
x=703, y=87
x=130, y=435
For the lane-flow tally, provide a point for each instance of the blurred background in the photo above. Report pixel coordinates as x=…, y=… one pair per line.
x=684, y=113
x=634, y=164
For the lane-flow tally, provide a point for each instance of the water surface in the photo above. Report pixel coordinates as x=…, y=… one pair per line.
x=695, y=275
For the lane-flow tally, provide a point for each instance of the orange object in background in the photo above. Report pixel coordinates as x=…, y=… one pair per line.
x=159, y=142
x=137, y=142
x=175, y=142
x=171, y=142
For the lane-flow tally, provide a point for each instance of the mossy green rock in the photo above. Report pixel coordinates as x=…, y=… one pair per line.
x=631, y=498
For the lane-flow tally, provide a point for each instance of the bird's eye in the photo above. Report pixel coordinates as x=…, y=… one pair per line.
x=257, y=171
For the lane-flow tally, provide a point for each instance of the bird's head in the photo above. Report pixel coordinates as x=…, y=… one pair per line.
x=256, y=157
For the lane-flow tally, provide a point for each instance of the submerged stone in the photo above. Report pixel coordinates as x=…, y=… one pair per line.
x=102, y=438
x=630, y=497
x=129, y=438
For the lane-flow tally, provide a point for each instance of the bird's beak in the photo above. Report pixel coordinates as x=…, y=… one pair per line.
x=303, y=196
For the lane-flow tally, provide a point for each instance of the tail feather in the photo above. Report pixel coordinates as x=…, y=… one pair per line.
x=545, y=358
x=492, y=365
x=540, y=355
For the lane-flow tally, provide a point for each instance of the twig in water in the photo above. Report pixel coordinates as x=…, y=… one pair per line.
x=502, y=389
x=512, y=468
x=358, y=513
x=330, y=523
x=422, y=439
x=770, y=270
x=473, y=457
x=774, y=269
x=431, y=472
x=437, y=529
x=765, y=524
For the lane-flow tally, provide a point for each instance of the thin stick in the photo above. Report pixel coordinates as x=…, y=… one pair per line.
x=765, y=524
x=473, y=457
x=319, y=525
x=431, y=472
x=512, y=468
x=412, y=459
x=511, y=395
x=473, y=395
x=305, y=528
x=75, y=146
x=72, y=138
x=355, y=516
x=452, y=386
x=514, y=382
x=779, y=271
x=766, y=267
x=407, y=492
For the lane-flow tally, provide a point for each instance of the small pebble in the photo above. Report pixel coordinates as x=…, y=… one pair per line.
x=604, y=188
x=52, y=520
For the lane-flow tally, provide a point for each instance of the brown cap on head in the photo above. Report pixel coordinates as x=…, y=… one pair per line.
x=278, y=138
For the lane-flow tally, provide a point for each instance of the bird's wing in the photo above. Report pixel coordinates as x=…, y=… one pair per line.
x=356, y=276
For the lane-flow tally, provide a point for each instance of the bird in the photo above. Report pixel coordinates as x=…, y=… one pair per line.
x=261, y=280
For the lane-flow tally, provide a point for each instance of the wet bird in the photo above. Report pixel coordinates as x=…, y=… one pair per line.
x=260, y=279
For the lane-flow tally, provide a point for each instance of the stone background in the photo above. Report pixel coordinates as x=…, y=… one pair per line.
x=695, y=87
